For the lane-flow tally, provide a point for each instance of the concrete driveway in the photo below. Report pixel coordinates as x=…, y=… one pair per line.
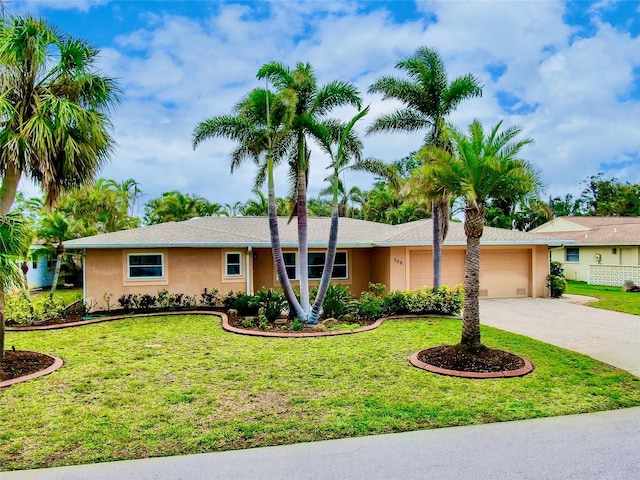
x=611, y=337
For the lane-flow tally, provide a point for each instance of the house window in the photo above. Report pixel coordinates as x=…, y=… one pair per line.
x=290, y=264
x=234, y=264
x=316, y=265
x=34, y=264
x=145, y=265
x=572, y=254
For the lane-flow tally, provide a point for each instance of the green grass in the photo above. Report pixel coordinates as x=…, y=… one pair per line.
x=610, y=298
x=69, y=295
x=177, y=385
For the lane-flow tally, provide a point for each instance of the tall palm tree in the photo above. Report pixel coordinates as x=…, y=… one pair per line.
x=15, y=238
x=312, y=105
x=261, y=126
x=480, y=167
x=53, y=104
x=428, y=99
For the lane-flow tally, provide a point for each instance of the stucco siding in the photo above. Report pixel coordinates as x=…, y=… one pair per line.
x=595, y=255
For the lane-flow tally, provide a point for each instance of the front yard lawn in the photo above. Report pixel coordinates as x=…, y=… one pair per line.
x=610, y=298
x=175, y=385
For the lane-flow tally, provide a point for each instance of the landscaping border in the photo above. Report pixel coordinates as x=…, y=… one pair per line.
x=520, y=372
x=57, y=363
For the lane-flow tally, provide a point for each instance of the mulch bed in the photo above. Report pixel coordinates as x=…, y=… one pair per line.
x=482, y=360
x=285, y=325
x=19, y=363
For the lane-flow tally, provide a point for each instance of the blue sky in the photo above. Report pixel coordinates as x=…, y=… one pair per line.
x=568, y=73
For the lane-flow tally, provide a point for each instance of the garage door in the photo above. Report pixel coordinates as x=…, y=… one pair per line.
x=505, y=273
x=421, y=268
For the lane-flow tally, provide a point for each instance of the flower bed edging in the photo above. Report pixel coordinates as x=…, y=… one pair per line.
x=520, y=372
x=57, y=363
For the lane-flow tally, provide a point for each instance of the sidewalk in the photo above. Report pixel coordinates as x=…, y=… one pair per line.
x=594, y=446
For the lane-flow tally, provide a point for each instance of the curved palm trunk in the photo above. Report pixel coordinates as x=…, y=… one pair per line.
x=328, y=267
x=441, y=212
x=1, y=324
x=8, y=188
x=473, y=228
x=276, y=248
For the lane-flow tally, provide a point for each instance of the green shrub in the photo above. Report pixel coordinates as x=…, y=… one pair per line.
x=556, y=269
x=335, y=302
x=396, y=303
x=270, y=302
x=210, y=298
x=557, y=285
x=369, y=307
x=24, y=311
x=378, y=289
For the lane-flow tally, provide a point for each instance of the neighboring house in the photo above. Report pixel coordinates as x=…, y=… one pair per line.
x=234, y=253
x=601, y=251
x=41, y=268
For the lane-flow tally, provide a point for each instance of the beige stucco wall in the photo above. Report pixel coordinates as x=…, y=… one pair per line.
x=505, y=271
x=187, y=270
x=559, y=225
x=596, y=255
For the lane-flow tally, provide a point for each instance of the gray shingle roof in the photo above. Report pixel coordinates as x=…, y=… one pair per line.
x=254, y=231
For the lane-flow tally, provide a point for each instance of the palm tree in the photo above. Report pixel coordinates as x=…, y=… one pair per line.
x=15, y=238
x=175, y=206
x=428, y=99
x=479, y=168
x=53, y=101
x=262, y=128
x=54, y=229
x=312, y=104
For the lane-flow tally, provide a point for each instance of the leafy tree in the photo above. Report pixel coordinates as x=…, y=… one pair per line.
x=428, y=99
x=15, y=238
x=175, y=206
x=566, y=207
x=481, y=167
x=603, y=197
x=53, y=101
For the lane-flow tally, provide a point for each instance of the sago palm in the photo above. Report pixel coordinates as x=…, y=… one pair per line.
x=427, y=98
x=478, y=168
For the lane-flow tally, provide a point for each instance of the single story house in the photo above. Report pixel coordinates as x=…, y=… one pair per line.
x=234, y=253
x=598, y=250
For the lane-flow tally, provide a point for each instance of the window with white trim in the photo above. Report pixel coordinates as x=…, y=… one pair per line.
x=316, y=265
x=572, y=254
x=145, y=265
x=233, y=264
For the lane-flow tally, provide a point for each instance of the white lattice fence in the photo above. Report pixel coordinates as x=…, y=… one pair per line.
x=613, y=275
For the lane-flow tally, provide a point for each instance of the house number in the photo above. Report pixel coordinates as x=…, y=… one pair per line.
x=397, y=260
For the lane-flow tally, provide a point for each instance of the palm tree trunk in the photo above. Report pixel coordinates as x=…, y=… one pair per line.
x=437, y=246
x=1, y=324
x=8, y=188
x=303, y=248
x=276, y=248
x=473, y=228
x=328, y=267
x=56, y=273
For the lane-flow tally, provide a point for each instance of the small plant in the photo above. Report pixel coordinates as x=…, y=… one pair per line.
x=126, y=302
x=248, y=322
x=272, y=302
x=146, y=302
x=396, y=303
x=378, y=289
x=263, y=323
x=210, y=298
x=297, y=325
x=107, y=301
x=165, y=299
x=369, y=307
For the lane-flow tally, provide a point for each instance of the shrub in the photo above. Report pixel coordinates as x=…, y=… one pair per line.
x=210, y=298
x=126, y=302
x=396, y=303
x=336, y=301
x=145, y=301
x=378, y=289
x=555, y=280
x=24, y=311
x=270, y=302
x=165, y=299
x=369, y=306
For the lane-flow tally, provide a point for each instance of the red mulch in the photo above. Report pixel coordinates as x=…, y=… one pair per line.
x=481, y=360
x=19, y=363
